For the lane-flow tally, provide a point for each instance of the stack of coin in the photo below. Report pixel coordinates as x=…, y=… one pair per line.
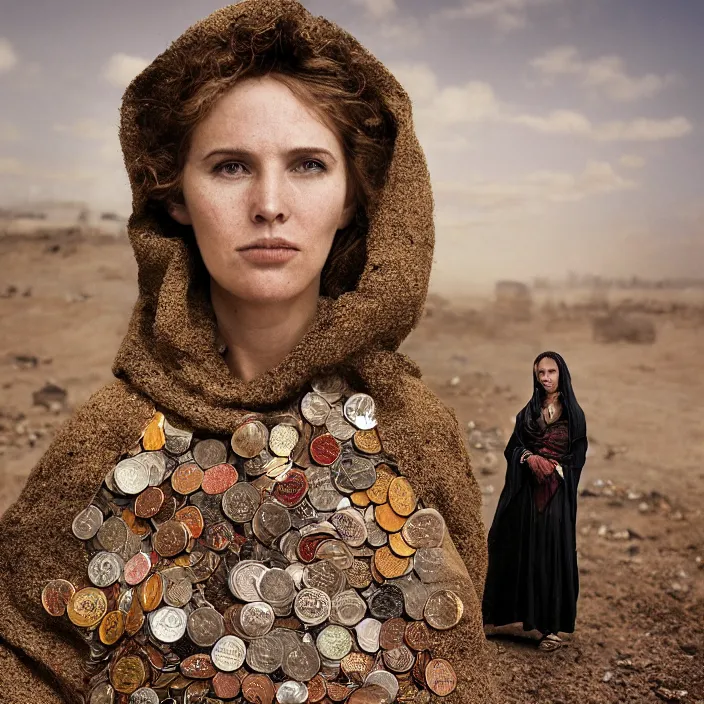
x=291, y=562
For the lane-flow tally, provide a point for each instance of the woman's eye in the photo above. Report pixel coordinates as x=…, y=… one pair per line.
x=311, y=165
x=231, y=168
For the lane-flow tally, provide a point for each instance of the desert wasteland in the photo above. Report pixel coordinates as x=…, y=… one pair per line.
x=636, y=359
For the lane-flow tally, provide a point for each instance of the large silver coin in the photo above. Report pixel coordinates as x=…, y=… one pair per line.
x=265, y=654
x=208, y=453
x=243, y=579
x=144, y=695
x=177, y=441
x=350, y=526
x=347, y=608
x=424, y=529
x=291, y=692
x=276, y=587
x=368, y=635
x=324, y=576
x=113, y=534
x=155, y=462
x=228, y=653
x=105, y=569
x=131, y=476
x=301, y=662
x=338, y=427
x=431, y=566
x=256, y=618
x=322, y=493
x=312, y=606
x=270, y=521
x=337, y=552
x=334, y=642
x=315, y=409
x=240, y=502
x=384, y=679
x=331, y=387
x=360, y=410
x=360, y=471
x=205, y=626
x=87, y=523
x=178, y=586
x=102, y=694
x=168, y=624
x=415, y=595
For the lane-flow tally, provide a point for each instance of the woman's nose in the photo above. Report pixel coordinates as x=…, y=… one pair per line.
x=269, y=200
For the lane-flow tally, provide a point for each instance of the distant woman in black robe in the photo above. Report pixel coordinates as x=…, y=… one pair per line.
x=532, y=576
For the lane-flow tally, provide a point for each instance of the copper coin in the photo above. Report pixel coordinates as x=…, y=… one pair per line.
x=135, y=525
x=226, y=685
x=399, y=546
x=292, y=488
x=171, y=539
x=154, y=437
x=134, y=619
x=360, y=498
x=402, y=498
x=379, y=491
x=219, y=479
x=198, y=667
x=148, y=503
x=192, y=518
x=87, y=607
x=112, y=627
x=389, y=565
x=258, y=689
x=250, y=439
x=443, y=610
x=386, y=680
x=399, y=659
x=356, y=666
x=391, y=634
x=367, y=441
x=187, y=478
x=440, y=677
x=167, y=510
x=150, y=592
x=317, y=690
x=423, y=658
x=359, y=576
x=128, y=674
x=324, y=449
x=208, y=453
x=338, y=692
x=56, y=595
x=424, y=529
x=388, y=519
x=370, y=694
x=417, y=636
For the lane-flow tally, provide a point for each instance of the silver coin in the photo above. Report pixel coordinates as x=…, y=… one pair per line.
x=270, y=521
x=205, y=626
x=256, y=618
x=368, y=635
x=131, y=476
x=168, y=624
x=296, y=569
x=385, y=679
x=312, y=606
x=265, y=654
x=105, y=568
x=334, y=642
x=347, y=608
x=288, y=544
x=350, y=526
x=102, y=694
x=144, y=695
x=291, y=692
x=315, y=409
x=331, y=387
x=430, y=564
x=276, y=587
x=124, y=601
x=250, y=439
x=337, y=552
x=360, y=410
x=178, y=586
x=208, y=453
x=338, y=427
x=324, y=576
x=87, y=523
x=415, y=595
x=177, y=441
x=301, y=662
x=359, y=471
x=424, y=529
x=243, y=579
x=228, y=653
x=256, y=466
x=113, y=534
x=155, y=462
x=399, y=659
x=210, y=505
x=322, y=493
x=376, y=537
x=240, y=502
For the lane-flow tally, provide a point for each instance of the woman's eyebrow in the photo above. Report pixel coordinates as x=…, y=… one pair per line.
x=297, y=151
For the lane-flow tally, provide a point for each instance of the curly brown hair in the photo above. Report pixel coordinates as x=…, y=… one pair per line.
x=323, y=75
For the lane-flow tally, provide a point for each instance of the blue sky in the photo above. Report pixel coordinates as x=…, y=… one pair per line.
x=560, y=134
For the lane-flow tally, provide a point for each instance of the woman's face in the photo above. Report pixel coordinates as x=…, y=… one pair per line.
x=265, y=188
x=548, y=374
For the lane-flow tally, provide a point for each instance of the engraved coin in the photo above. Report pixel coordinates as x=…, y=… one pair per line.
x=430, y=564
x=112, y=627
x=317, y=689
x=324, y=449
x=291, y=488
x=192, y=518
x=443, y=609
x=131, y=476
x=367, y=441
x=334, y=642
x=315, y=409
x=149, y=502
x=424, y=529
x=379, y=491
x=208, y=453
x=417, y=636
x=350, y=526
x=356, y=666
x=399, y=659
x=198, y=666
x=56, y=595
x=144, y=695
x=104, y=569
x=337, y=552
x=440, y=677
x=240, y=502
x=338, y=427
x=177, y=440
x=225, y=685
x=291, y=692
x=218, y=479
x=388, y=564
x=322, y=494
x=187, y=478
x=205, y=626
x=113, y=534
x=358, y=471
x=359, y=576
x=250, y=439
x=87, y=607
x=270, y=521
x=265, y=654
x=282, y=439
x=257, y=618
x=258, y=689
x=368, y=635
x=177, y=591
x=399, y=546
x=276, y=587
x=128, y=675
x=171, y=539
x=392, y=632
x=228, y=653
x=361, y=411
x=312, y=606
x=324, y=576
x=301, y=662
x=389, y=520
x=360, y=498
x=386, y=602
x=347, y=608
x=402, y=498
x=243, y=579
x=384, y=679
x=87, y=523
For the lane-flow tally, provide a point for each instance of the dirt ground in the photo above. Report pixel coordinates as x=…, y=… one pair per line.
x=64, y=306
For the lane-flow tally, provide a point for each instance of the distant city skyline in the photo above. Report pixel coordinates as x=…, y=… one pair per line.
x=560, y=134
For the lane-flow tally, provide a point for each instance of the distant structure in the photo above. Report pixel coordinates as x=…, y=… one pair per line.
x=513, y=300
x=51, y=218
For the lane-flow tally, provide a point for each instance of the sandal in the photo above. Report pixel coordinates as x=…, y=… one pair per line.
x=550, y=642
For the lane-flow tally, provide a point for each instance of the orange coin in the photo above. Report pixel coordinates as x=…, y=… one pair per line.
x=399, y=546
x=360, y=498
x=389, y=565
x=138, y=526
x=402, y=498
x=112, y=627
x=317, y=689
x=388, y=519
x=150, y=592
x=192, y=518
x=187, y=478
x=440, y=677
x=134, y=619
x=367, y=441
x=154, y=438
x=379, y=491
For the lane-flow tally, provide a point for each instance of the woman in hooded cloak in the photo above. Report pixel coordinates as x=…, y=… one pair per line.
x=532, y=576
x=267, y=493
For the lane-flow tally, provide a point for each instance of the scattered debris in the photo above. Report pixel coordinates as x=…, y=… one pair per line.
x=50, y=396
x=25, y=361
x=608, y=675
x=670, y=695
x=617, y=327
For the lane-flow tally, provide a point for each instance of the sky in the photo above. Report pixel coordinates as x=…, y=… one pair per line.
x=561, y=135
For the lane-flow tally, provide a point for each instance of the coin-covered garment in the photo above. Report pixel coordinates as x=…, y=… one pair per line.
x=316, y=572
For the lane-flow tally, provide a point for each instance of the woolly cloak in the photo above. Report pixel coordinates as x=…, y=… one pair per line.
x=169, y=360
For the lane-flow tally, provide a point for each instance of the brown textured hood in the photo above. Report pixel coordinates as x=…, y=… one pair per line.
x=170, y=352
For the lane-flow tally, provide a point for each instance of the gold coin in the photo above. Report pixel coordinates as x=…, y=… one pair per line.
x=367, y=441
x=112, y=627
x=402, y=498
x=87, y=607
x=128, y=675
x=360, y=498
x=388, y=519
x=154, y=437
x=399, y=546
x=379, y=491
x=376, y=575
x=150, y=592
x=389, y=565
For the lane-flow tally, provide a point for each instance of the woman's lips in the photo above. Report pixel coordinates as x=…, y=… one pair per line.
x=268, y=255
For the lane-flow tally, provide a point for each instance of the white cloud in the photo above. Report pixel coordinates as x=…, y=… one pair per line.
x=557, y=122
x=378, y=9
x=121, y=69
x=8, y=57
x=406, y=33
x=632, y=161
x=606, y=74
x=506, y=15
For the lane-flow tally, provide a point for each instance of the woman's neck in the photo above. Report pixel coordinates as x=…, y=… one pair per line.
x=258, y=336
